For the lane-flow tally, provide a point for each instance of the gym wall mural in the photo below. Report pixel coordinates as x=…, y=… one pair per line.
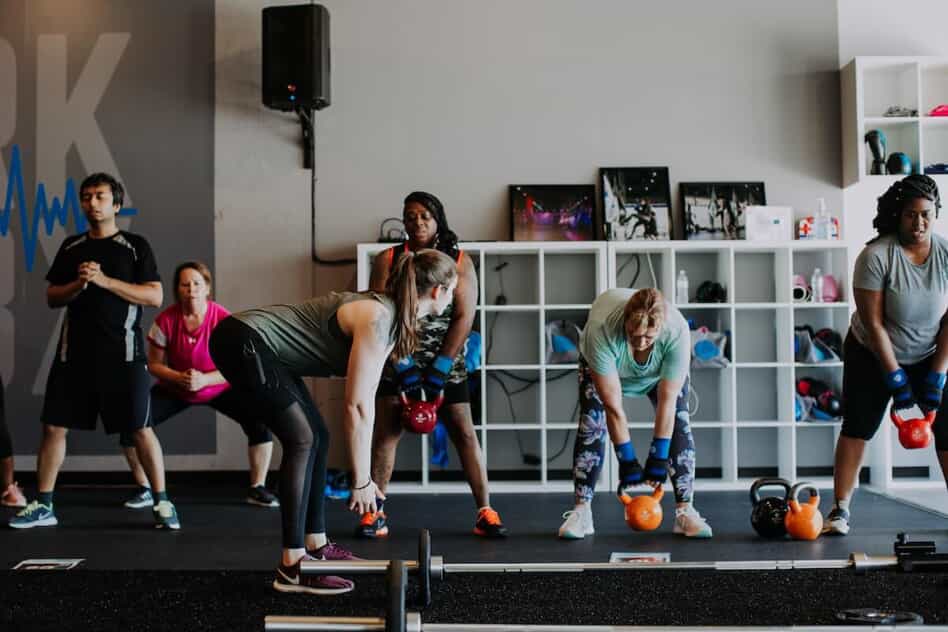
x=118, y=86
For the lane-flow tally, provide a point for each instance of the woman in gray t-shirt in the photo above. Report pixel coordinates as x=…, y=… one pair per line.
x=897, y=347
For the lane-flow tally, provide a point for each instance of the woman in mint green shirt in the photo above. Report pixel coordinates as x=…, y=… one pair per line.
x=634, y=345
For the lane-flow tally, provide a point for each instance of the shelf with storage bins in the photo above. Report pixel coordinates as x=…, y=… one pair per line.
x=743, y=414
x=524, y=399
x=869, y=87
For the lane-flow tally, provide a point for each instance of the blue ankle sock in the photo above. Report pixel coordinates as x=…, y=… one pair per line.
x=159, y=496
x=45, y=498
x=625, y=451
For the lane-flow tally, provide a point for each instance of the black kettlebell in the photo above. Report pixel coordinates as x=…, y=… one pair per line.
x=768, y=513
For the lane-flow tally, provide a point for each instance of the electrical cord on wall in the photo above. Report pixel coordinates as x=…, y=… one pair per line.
x=307, y=119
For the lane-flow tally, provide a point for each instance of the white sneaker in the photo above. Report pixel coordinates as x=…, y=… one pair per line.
x=689, y=523
x=578, y=524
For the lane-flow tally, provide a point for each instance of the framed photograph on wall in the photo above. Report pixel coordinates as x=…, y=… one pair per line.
x=636, y=203
x=552, y=212
x=718, y=210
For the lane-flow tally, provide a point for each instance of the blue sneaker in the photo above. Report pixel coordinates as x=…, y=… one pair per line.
x=166, y=516
x=34, y=515
x=141, y=499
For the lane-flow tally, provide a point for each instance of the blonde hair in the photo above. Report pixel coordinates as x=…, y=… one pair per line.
x=645, y=308
x=415, y=274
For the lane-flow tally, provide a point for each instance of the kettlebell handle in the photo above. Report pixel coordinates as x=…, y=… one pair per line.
x=768, y=482
x=795, y=495
x=899, y=421
x=656, y=494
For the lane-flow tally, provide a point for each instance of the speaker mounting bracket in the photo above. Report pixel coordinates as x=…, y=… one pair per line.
x=309, y=143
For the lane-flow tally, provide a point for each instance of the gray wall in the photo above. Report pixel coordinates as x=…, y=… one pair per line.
x=116, y=86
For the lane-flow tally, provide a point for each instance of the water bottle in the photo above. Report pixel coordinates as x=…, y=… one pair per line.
x=681, y=288
x=822, y=227
x=816, y=286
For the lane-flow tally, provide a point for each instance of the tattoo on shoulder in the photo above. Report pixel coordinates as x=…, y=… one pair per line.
x=381, y=327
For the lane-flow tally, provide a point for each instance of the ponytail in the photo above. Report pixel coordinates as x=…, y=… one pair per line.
x=415, y=274
x=401, y=287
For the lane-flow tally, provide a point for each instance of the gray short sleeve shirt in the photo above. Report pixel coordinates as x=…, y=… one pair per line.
x=915, y=295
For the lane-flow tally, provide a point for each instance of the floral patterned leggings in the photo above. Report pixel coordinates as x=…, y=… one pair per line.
x=589, y=450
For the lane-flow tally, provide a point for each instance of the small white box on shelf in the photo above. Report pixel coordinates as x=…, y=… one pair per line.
x=769, y=223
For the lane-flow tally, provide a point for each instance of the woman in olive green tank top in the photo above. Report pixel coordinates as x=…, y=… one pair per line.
x=267, y=351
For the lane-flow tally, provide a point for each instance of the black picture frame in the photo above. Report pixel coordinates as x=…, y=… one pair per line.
x=636, y=203
x=715, y=210
x=553, y=212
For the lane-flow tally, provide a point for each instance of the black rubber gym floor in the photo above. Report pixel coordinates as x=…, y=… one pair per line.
x=215, y=573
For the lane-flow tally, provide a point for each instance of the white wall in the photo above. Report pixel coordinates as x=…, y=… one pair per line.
x=463, y=98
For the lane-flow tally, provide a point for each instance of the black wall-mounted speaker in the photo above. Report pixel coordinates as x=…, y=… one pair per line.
x=296, y=63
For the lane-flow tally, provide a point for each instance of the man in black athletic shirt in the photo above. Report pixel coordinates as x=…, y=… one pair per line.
x=104, y=277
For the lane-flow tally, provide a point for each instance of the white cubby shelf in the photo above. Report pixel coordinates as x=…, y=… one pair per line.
x=744, y=425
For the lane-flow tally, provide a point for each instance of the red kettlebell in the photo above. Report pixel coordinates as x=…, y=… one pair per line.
x=643, y=513
x=804, y=522
x=914, y=433
x=420, y=416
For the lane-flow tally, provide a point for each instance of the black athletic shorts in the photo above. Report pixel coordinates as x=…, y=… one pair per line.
x=454, y=392
x=165, y=405
x=78, y=394
x=865, y=394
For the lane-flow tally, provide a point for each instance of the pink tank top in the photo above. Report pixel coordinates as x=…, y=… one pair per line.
x=188, y=349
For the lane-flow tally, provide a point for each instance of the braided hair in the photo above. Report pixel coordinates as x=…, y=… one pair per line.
x=891, y=203
x=445, y=241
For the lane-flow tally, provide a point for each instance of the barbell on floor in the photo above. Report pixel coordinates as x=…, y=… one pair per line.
x=398, y=620
x=428, y=568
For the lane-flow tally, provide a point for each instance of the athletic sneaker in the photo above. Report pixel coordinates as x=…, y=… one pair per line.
x=334, y=552
x=837, y=522
x=35, y=514
x=262, y=497
x=372, y=525
x=578, y=524
x=689, y=523
x=488, y=524
x=13, y=496
x=289, y=579
x=166, y=516
x=141, y=499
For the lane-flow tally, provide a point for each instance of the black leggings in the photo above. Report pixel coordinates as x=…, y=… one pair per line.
x=6, y=444
x=282, y=402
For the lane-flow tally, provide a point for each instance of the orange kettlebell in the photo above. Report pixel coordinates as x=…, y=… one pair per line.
x=643, y=513
x=804, y=522
x=914, y=433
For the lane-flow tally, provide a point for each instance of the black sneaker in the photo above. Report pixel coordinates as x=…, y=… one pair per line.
x=837, y=522
x=289, y=579
x=262, y=497
x=372, y=525
x=488, y=524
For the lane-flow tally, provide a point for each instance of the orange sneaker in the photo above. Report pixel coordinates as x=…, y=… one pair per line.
x=372, y=525
x=13, y=496
x=488, y=524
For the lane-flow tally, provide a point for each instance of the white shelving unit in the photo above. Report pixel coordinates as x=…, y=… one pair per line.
x=870, y=85
x=744, y=426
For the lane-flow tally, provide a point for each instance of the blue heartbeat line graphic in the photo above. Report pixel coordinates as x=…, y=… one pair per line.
x=51, y=213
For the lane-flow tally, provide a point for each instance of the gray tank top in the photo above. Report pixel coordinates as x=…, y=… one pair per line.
x=306, y=336
x=915, y=296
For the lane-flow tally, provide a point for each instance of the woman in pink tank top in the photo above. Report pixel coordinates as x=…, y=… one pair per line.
x=178, y=357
